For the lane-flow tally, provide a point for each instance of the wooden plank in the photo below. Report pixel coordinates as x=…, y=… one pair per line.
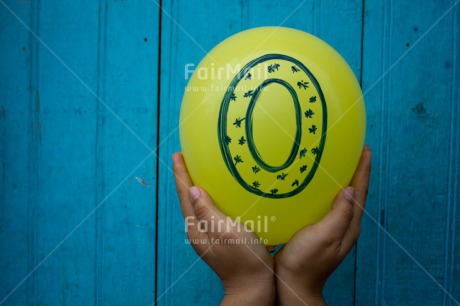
x=74, y=153
x=186, y=41
x=18, y=139
x=368, y=248
x=66, y=117
x=409, y=118
x=452, y=265
x=128, y=85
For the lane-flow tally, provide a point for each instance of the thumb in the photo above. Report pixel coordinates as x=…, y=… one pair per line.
x=210, y=219
x=338, y=220
x=203, y=205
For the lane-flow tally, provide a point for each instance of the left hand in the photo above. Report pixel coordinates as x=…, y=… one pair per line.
x=234, y=252
x=304, y=264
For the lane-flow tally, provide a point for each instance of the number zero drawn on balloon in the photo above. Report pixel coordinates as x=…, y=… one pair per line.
x=238, y=149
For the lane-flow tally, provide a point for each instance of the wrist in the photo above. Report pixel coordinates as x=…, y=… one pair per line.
x=309, y=300
x=295, y=289
x=291, y=294
x=258, y=292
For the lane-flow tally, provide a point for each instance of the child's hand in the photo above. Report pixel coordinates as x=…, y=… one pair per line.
x=314, y=252
x=245, y=268
x=302, y=265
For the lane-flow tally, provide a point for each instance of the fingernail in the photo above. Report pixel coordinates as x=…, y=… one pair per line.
x=349, y=193
x=367, y=148
x=194, y=193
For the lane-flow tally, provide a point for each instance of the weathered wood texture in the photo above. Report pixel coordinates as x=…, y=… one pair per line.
x=90, y=94
x=73, y=216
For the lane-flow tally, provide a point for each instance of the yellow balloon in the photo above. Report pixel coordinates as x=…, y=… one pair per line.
x=272, y=125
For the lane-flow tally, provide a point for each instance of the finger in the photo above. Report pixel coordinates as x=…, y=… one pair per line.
x=360, y=182
x=198, y=238
x=204, y=208
x=183, y=183
x=337, y=222
x=271, y=248
x=217, y=224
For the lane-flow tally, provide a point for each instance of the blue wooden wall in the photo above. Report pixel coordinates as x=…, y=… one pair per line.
x=90, y=93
